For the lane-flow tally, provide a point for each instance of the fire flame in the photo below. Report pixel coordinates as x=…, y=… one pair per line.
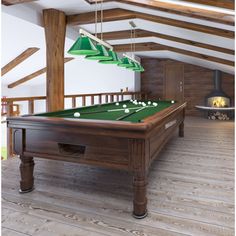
x=219, y=102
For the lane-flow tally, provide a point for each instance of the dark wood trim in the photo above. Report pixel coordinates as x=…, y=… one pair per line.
x=33, y=75
x=158, y=47
x=55, y=30
x=229, y=4
x=13, y=2
x=144, y=33
x=121, y=14
x=192, y=12
x=16, y=61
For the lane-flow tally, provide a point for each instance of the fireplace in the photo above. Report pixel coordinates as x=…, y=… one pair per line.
x=218, y=100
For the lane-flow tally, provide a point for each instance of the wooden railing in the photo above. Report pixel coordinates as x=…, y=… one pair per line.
x=10, y=106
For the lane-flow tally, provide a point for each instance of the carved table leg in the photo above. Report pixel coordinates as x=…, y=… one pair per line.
x=181, y=129
x=140, y=200
x=26, y=171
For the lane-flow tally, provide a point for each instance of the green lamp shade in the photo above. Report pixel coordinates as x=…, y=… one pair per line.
x=114, y=60
x=102, y=55
x=83, y=46
x=138, y=68
x=125, y=62
x=134, y=65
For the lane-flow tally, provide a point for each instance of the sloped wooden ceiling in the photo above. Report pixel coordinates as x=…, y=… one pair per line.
x=13, y=2
x=196, y=31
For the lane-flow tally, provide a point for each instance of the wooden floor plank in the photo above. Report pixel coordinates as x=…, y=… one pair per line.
x=190, y=192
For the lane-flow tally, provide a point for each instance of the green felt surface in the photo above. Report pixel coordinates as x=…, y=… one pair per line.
x=101, y=112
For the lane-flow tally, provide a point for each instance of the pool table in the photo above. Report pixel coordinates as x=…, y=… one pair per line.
x=105, y=135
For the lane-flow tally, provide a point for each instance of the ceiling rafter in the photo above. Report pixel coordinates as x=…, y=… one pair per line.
x=19, y=59
x=139, y=33
x=229, y=4
x=181, y=10
x=159, y=47
x=33, y=75
x=13, y=2
x=122, y=14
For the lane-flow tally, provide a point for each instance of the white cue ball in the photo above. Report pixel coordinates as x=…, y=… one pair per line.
x=124, y=105
x=139, y=102
x=126, y=110
x=144, y=104
x=155, y=104
x=131, y=100
x=172, y=101
x=149, y=103
x=117, y=104
x=76, y=114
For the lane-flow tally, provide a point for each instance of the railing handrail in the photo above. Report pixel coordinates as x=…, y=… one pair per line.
x=17, y=99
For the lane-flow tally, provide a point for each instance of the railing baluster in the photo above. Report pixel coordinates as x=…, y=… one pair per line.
x=31, y=106
x=92, y=100
x=73, y=102
x=112, y=98
x=83, y=101
x=100, y=99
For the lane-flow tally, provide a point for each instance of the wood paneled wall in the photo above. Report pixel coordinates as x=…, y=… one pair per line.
x=198, y=82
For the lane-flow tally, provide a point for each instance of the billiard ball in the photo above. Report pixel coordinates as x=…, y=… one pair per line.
x=149, y=103
x=117, y=104
x=76, y=114
x=126, y=110
x=144, y=104
x=172, y=101
x=154, y=104
x=124, y=106
x=139, y=102
x=131, y=100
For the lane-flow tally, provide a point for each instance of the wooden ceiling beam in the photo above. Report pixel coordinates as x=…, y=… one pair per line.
x=229, y=4
x=121, y=14
x=139, y=33
x=181, y=10
x=33, y=75
x=16, y=61
x=13, y=2
x=158, y=47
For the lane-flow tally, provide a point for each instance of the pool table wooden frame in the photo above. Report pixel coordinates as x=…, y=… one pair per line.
x=113, y=144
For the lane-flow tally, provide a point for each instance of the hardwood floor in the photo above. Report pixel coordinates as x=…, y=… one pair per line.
x=190, y=192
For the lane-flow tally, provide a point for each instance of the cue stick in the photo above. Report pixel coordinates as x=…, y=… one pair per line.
x=125, y=116
x=120, y=109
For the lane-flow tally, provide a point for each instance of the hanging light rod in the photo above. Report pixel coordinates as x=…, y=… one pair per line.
x=132, y=24
x=132, y=59
x=105, y=44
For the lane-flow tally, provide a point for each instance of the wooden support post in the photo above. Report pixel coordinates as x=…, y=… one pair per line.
x=9, y=131
x=31, y=106
x=55, y=29
x=106, y=99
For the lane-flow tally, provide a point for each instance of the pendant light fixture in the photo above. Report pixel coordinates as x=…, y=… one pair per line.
x=103, y=53
x=130, y=62
x=83, y=46
x=115, y=59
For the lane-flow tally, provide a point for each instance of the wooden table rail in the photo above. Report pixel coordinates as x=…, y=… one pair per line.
x=10, y=107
